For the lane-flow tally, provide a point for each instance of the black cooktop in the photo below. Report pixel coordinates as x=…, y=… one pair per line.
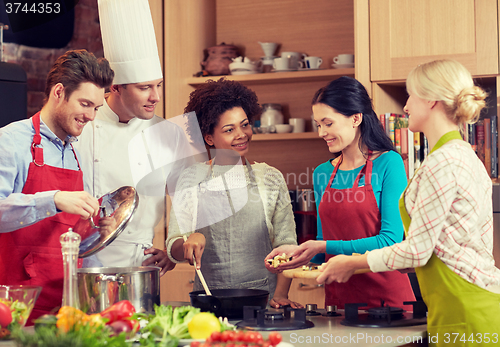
x=385, y=316
x=286, y=318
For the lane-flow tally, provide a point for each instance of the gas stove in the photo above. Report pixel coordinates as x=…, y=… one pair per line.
x=329, y=311
x=385, y=316
x=286, y=318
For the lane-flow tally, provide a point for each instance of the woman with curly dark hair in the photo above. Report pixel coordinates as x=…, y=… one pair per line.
x=234, y=211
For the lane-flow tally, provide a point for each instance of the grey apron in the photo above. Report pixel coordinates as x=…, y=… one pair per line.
x=236, y=244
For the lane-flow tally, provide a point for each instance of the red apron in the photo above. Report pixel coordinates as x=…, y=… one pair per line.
x=350, y=214
x=32, y=255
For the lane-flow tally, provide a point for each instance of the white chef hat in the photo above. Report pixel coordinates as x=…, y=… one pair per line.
x=129, y=42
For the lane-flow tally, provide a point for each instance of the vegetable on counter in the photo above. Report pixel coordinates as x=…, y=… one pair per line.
x=115, y=326
x=203, y=324
x=171, y=321
x=13, y=315
x=5, y=315
x=119, y=317
x=240, y=338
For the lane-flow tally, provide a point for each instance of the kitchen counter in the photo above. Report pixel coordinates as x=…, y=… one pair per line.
x=328, y=331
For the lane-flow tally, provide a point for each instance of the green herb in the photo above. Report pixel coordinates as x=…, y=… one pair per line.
x=171, y=322
x=85, y=336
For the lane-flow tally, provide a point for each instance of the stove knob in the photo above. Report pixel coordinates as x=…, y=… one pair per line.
x=311, y=307
x=331, y=308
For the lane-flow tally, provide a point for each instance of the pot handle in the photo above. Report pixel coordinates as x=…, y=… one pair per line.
x=110, y=278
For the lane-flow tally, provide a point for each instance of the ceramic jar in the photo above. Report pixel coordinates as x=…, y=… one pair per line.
x=271, y=115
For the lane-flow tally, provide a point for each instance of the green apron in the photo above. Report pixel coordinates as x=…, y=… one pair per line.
x=460, y=313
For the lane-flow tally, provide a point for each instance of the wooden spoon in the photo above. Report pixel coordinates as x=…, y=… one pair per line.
x=198, y=271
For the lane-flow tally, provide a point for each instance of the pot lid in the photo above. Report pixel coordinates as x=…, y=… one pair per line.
x=118, y=207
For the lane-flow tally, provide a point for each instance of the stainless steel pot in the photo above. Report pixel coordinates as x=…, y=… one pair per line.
x=101, y=287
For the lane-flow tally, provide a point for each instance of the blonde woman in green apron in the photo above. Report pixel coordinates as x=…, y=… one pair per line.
x=239, y=210
x=447, y=214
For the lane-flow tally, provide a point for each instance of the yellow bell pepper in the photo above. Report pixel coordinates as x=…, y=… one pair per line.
x=69, y=317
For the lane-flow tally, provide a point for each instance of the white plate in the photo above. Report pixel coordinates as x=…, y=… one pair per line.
x=284, y=344
x=342, y=66
x=187, y=342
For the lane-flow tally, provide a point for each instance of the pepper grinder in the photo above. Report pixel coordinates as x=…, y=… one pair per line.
x=70, y=243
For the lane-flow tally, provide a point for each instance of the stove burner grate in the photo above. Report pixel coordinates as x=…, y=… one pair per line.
x=382, y=312
x=385, y=316
x=256, y=318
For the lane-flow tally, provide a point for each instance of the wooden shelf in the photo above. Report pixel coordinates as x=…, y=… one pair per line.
x=278, y=77
x=286, y=136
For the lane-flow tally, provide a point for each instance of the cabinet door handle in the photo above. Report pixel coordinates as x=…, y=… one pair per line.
x=304, y=285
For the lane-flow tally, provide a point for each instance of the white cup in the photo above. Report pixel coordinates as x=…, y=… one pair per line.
x=280, y=64
x=313, y=62
x=344, y=59
x=299, y=124
x=294, y=59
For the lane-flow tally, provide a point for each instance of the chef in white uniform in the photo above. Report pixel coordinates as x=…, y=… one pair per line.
x=109, y=160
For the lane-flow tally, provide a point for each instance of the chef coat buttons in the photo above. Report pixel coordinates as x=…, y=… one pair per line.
x=96, y=160
x=97, y=126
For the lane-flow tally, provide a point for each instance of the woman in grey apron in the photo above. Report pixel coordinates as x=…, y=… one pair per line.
x=239, y=211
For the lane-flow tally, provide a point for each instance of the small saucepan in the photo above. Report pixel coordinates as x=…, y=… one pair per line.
x=229, y=302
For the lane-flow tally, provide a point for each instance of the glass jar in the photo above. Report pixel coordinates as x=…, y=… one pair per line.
x=271, y=115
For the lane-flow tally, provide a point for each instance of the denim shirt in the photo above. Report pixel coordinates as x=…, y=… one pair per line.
x=18, y=210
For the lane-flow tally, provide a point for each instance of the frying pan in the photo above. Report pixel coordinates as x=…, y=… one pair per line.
x=229, y=302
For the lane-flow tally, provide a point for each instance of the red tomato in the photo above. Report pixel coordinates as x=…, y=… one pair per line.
x=240, y=336
x=5, y=315
x=215, y=337
x=252, y=336
x=266, y=344
x=275, y=338
x=228, y=336
x=195, y=344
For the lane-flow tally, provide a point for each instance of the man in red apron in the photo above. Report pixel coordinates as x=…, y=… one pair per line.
x=41, y=191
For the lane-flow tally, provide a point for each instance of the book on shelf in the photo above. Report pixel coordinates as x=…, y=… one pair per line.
x=483, y=138
x=487, y=145
x=403, y=140
x=494, y=146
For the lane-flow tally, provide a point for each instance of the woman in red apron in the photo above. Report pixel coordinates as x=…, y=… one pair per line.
x=447, y=213
x=356, y=195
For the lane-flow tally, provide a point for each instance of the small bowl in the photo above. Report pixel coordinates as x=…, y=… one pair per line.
x=244, y=68
x=283, y=128
x=24, y=298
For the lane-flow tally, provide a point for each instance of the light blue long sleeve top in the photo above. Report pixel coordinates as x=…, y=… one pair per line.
x=388, y=183
x=19, y=210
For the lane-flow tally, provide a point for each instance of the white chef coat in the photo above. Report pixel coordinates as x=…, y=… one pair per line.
x=104, y=152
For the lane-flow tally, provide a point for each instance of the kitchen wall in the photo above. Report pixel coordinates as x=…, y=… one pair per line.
x=37, y=61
